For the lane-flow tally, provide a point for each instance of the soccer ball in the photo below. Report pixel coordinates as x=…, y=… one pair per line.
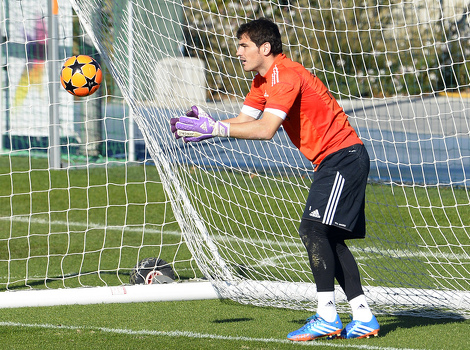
x=81, y=75
x=152, y=271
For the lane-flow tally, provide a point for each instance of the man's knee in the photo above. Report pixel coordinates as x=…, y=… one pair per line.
x=312, y=231
x=312, y=228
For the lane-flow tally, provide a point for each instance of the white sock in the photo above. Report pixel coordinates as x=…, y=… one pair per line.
x=360, y=309
x=326, y=307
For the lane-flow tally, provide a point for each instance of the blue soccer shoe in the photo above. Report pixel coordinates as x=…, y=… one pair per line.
x=358, y=329
x=317, y=327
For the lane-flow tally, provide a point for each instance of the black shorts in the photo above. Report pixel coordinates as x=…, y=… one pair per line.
x=337, y=194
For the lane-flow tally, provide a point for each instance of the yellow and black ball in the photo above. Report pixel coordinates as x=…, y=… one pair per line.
x=81, y=75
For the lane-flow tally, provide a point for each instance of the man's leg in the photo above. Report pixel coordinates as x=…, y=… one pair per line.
x=326, y=322
x=347, y=274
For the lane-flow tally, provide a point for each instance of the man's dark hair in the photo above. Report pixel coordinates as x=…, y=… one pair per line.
x=260, y=31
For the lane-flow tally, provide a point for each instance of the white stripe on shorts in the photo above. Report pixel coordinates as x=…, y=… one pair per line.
x=334, y=199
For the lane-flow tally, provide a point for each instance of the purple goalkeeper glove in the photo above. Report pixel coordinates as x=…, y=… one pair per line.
x=197, y=125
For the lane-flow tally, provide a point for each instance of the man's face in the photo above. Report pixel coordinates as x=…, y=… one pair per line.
x=250, y=55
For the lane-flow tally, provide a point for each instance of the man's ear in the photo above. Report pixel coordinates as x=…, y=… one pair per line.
x=266, y=48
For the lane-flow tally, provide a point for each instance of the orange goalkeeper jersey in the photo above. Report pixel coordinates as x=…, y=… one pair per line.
x=314, y=121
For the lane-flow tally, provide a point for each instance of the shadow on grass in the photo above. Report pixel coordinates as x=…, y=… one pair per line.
x=72, y=282
x=230, y=320
x=392, y=322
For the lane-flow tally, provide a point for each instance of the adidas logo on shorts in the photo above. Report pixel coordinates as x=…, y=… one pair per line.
x=315, y=214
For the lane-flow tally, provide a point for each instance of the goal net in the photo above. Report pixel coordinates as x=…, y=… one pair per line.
x=400, y=71
x=90, y=219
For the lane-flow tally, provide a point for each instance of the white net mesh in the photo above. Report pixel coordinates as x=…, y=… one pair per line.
x=400, y=71
x=89, y=221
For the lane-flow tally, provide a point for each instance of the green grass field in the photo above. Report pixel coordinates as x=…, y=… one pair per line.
x=84, y=226
x=83, y=220
x=210, y=324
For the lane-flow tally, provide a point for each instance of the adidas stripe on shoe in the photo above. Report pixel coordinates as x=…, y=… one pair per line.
x=317, y=327
x=359, y=329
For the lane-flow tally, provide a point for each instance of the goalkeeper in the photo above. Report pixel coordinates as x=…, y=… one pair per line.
x=285, y=93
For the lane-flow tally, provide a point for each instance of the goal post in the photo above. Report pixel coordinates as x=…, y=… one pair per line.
x=108, y=295
x=228, y=210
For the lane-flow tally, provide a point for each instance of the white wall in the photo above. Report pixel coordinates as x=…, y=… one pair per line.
x=180, y=80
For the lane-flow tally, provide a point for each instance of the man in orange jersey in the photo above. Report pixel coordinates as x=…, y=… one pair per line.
x=285, y=93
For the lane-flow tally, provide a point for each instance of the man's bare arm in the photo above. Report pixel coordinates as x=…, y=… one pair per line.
x=245, y=127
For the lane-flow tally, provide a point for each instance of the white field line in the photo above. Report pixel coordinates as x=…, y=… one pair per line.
x=132, y=228
x=186, y=334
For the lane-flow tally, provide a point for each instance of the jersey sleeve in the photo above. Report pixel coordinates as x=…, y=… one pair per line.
x=278, y=92
x=255, y=97
x=252, y=112
x=284, y=92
